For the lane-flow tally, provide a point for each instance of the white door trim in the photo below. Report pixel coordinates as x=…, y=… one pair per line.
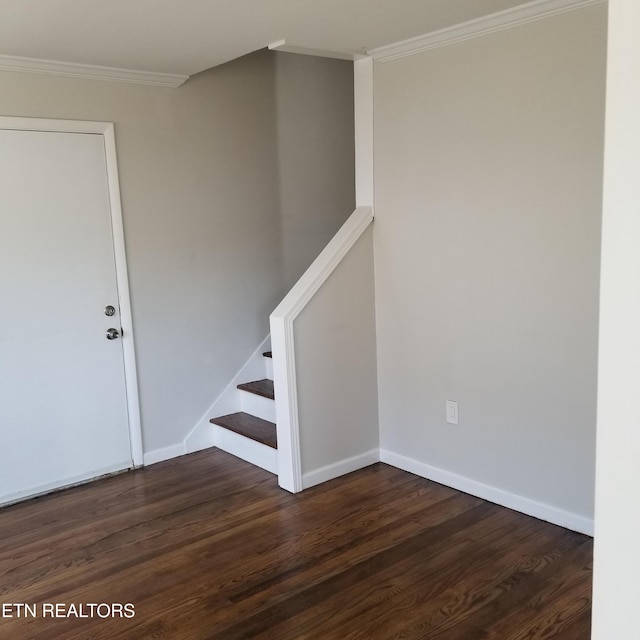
x=106, y=130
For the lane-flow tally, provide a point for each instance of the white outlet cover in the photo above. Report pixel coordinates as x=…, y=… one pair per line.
x=452, y=412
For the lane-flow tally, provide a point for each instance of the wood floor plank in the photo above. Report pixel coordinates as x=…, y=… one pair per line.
x=175, y=559
x=262, y=621
x=550, y=599
x=449, y=605
x=318, y=562
x=422, y=576
x=208, y=547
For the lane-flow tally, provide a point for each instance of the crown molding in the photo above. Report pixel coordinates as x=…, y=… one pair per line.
x=89, y=72
x=523, y=14
x=290, y=47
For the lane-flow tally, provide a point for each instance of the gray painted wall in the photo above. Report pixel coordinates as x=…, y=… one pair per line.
x=335, y=336
x=488, y=168
x=201, y=193
x=314, y=99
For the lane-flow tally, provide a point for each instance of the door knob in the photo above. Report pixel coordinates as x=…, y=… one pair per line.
x=112, y=334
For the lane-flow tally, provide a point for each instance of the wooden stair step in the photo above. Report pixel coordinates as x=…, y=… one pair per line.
x=262, y=388
x=268, y=354
x=249, y=426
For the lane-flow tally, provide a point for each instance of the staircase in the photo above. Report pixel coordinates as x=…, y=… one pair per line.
x=250, y=433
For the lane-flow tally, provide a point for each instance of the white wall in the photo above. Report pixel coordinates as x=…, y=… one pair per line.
x=201, y=197
x=488, y=159
x=314, y=98
x=617, y=554
x=335, y=338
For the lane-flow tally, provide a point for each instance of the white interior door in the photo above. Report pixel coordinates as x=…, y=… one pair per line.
x=63, y=404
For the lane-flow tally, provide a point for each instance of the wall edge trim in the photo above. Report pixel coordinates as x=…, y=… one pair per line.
x=166, y=453
x=89, y=71
x=534, y=508
x=340, y=468
x=492, y=23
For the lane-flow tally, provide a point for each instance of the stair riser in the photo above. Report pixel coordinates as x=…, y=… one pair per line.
x=269, y=368
x=246, y=449
x=264, y=408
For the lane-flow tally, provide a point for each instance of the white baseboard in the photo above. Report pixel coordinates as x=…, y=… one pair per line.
x=158, y=455
x=340, y=468
x=539, y=510
x=202, y=435
x=254, y=452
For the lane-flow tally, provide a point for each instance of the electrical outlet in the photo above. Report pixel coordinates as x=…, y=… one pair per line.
x=452, y=412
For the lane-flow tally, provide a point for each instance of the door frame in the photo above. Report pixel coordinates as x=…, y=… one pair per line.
x=106, y=130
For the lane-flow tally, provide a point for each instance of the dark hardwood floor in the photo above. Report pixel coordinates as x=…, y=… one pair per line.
x=207, y=546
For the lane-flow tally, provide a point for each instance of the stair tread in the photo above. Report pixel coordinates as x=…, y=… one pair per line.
x=262, y=388
x=249, y=426
x=268, y=354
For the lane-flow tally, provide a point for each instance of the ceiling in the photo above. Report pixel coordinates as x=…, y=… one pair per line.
x=188, y=36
